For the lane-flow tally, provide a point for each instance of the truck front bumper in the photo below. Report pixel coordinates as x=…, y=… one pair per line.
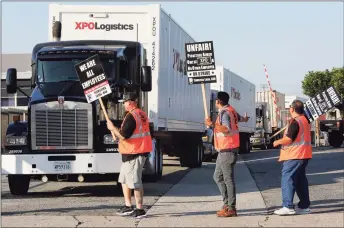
x=36, y=164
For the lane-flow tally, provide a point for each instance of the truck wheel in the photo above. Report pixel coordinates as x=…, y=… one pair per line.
x=19, y=184
x=158, y=166
x=335, y=139
x=192, y=154
x=244, y=144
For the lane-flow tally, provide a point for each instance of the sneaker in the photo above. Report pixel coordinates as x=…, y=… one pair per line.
x=284, y=211
x=139, y=213
x=125, y=210
x=303, y=211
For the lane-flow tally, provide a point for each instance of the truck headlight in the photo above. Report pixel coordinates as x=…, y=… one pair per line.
x=108, y=139
x=15, y=140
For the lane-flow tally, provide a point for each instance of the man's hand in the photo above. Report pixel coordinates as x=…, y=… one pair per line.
x=276, y=143
x=245, y=118
x=110, y=126
x=208, y=122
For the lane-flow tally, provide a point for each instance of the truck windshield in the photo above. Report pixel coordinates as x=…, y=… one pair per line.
x=57, y=70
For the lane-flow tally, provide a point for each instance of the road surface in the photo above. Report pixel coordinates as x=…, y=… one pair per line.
x=325, y=173
x=97, y=198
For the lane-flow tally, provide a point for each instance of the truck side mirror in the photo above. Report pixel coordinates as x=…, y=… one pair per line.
x=146, y=78
x=11, y=80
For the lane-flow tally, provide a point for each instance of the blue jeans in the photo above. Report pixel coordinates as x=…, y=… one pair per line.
x=294, y=180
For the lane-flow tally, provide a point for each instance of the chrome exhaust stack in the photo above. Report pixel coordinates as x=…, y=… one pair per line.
x=57, y=28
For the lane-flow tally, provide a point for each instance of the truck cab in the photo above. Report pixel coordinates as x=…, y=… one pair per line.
x=65, y=137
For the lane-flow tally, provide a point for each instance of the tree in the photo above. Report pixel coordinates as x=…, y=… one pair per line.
x=315, y=82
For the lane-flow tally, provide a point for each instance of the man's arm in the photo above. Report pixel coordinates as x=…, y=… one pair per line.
x=127, y=129
x=291, y=135
x=225, y=119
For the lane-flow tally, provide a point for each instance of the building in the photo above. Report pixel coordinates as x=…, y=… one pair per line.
x=290, y=99
x=22, y=62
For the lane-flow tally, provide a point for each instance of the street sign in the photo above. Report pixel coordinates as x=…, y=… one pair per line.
x=200, y=62
x=92, y=78
x=321, y=103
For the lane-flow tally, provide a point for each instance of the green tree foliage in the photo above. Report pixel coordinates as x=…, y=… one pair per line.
x=316, y=82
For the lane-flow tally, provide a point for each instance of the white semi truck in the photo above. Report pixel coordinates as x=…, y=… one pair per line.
x=141, y=49
x=242, y=98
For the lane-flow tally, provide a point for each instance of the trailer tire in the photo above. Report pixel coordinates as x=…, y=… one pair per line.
x=335, y=139
x=244, y=144
x=19, y=184
x=192, y=155
x=158, y=166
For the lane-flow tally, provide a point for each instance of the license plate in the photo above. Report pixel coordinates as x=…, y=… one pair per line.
x=329, y=130
x=62, y=166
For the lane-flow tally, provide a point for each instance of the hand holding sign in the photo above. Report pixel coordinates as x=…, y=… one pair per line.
x=94, y=82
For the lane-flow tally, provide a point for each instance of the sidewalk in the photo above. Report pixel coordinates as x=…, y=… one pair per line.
x=192, y=202
x=196, y=198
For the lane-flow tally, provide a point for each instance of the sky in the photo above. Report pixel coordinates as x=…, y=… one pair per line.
x=290, y=38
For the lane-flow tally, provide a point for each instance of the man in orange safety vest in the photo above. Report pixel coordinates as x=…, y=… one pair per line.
x=135, y=143
x=295, y=153
x=227, y=143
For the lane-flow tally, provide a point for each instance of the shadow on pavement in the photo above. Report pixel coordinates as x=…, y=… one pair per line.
x=321, y=206
x=324, y=168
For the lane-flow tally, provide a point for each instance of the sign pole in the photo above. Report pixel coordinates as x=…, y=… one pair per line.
x=205, y=101
x=106, y=115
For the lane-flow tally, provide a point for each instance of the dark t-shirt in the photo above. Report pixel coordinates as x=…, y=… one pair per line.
x=126, y=131
x=293, y=130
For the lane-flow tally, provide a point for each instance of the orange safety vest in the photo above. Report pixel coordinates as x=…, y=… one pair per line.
x=301, y=148
x=140, y=141
x=228, y=140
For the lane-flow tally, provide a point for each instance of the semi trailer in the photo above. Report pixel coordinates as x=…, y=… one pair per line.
x=65, y=138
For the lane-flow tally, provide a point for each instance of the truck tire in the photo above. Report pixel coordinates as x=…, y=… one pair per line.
x=244, y=144
x=335, y=139
x=192, y=154
x=19, y=184
x=158, y=166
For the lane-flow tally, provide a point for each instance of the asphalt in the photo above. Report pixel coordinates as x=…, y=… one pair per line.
x=194, y=200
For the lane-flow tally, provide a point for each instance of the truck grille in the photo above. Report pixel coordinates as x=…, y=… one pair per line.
x=61, y=128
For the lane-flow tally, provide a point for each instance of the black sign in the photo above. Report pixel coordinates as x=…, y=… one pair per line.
x=92, y=78
x=200, y=62
x=321, y=103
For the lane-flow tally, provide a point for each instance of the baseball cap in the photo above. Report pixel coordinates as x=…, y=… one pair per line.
x=128, y=96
